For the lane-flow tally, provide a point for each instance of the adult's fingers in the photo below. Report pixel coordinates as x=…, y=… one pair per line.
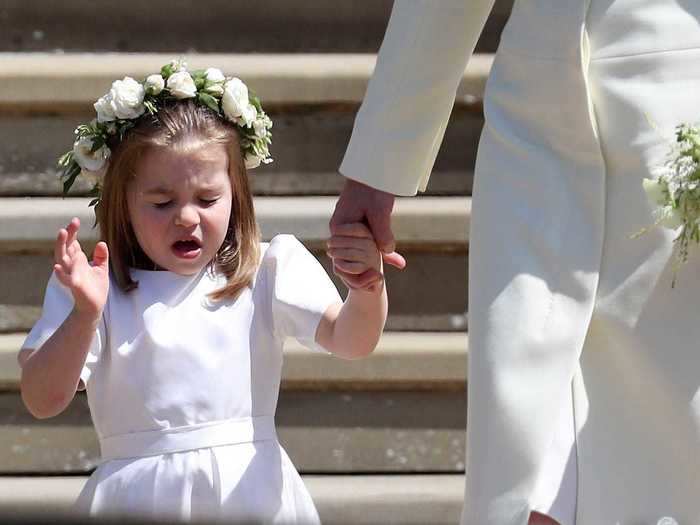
x=380, y=225
x=352, y=229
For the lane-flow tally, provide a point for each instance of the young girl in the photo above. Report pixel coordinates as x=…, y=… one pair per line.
x=176, y=330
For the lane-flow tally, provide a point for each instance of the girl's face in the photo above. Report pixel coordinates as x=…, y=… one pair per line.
x=180, y=205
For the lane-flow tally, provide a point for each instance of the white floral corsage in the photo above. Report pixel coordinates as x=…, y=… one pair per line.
x=675, y=193
x=129, y=99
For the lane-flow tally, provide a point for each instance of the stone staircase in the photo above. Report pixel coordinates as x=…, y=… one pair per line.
x=379, y=440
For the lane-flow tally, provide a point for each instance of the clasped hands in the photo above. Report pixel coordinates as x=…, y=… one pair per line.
x=361, y=237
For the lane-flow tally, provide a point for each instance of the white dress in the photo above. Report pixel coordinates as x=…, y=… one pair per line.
x=584, y=368
x=183, y=391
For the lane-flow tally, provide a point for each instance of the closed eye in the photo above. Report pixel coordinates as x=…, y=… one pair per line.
x=162, y=204
x=208, y=202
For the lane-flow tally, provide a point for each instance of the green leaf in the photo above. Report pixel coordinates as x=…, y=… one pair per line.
x=166, y=71
x=71, y=174
x=65, y=159
x=208, y=101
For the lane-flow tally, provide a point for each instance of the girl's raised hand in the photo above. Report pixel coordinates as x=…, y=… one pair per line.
x=354, y=252
x=89, y=283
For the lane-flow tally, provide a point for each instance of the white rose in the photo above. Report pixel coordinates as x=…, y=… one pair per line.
x=248, y=116
x=260, y=127
x=87, y=159
x=215, y=81
x=235, y=98
x=154, y=84
x=126, y=98
x=252, y=161
x=214, y=75
x=105, y=112
x=181, y=85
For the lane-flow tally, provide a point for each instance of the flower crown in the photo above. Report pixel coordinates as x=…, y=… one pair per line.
x=127, y=100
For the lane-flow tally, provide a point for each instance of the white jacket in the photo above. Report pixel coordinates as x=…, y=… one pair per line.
x=564, y=306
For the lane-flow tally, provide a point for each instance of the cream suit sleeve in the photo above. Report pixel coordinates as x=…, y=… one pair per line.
x=402, y=120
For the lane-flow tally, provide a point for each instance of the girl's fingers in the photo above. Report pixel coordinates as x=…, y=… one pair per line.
x=348, y=254
x=100, y=257
x=353, y=229
x=364, y=243
x=72, y=229
x=355, y=268
x=59, y=246
x=364, y=281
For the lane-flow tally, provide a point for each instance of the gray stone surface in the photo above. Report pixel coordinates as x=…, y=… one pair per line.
x=206, y=26
x=323, y=432
x=430, y=294
x=308, y=147
x=46, y=82
x=405, y=499
x=402, y=361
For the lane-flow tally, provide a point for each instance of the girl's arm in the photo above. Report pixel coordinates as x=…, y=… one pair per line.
x=51, y=374
x=352, y=329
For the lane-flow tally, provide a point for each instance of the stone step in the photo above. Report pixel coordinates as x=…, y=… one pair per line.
x=403, y=409
x=406, y=499
x=432, y=232
x=206, y=26
x=311, y=98
x=47, y=82
x=402, y=361
x=309, y=144
x=27, y=223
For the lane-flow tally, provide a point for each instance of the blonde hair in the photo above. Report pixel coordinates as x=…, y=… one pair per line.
x=182, y=126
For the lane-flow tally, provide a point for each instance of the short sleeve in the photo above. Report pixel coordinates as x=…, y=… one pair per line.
x=58, y=303
x=301, y=290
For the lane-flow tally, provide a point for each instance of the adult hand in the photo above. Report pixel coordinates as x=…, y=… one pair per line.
x=361, y=203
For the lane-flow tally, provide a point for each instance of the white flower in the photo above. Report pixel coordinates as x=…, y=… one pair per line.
x=181, y=85
x=260, y=127
x=105, y=111
x=126, y=98
x=87, y=159
x=215, y=75
x=248, y=116
x=154, y=84
x=215, y=81
x=235, y=99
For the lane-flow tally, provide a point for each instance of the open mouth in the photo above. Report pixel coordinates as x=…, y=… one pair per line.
x=187, y=249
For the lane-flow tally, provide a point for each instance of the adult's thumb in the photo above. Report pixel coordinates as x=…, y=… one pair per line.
x=380, y=225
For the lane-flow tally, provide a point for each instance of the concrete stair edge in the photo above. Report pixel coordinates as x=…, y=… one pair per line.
x=53, y=80
x=405, y=360
x=358, y=499
x=423, y=220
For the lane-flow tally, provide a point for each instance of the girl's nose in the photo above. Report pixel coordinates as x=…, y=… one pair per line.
x=187, y=216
